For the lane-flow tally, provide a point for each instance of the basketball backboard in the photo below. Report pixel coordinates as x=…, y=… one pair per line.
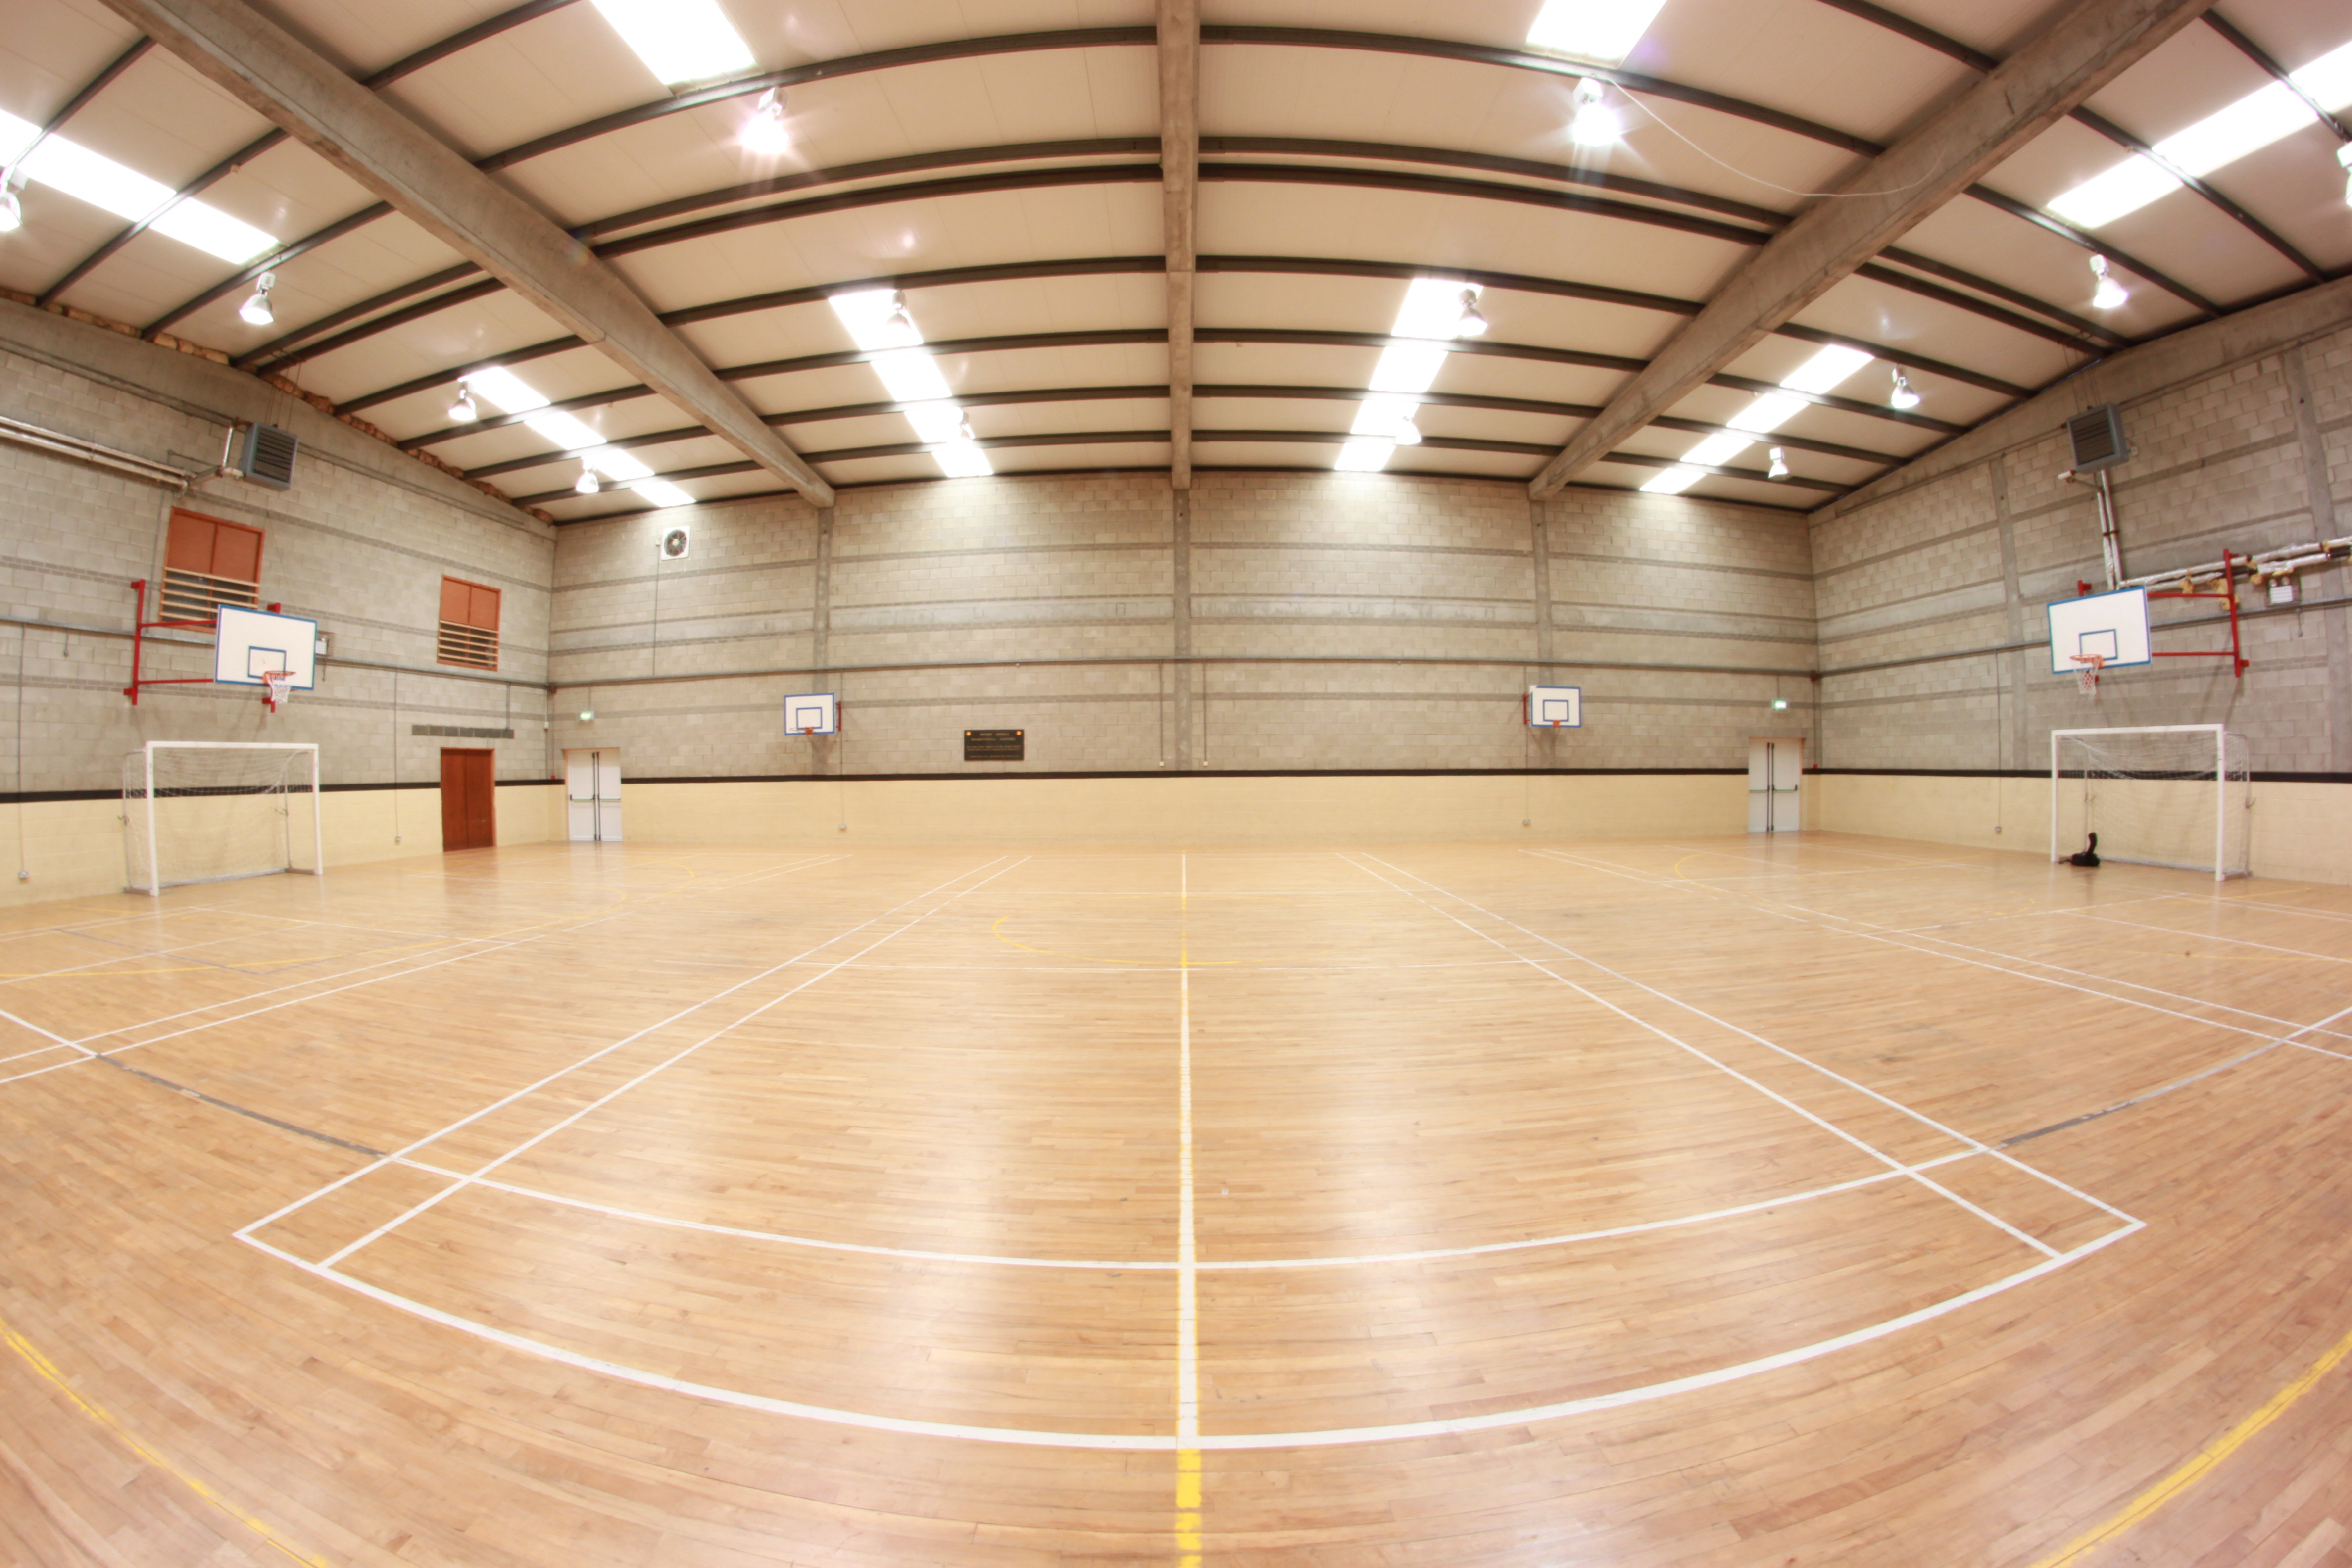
x=250, y=643
x=2112, y=626
x=811, y=713
x=1556, y=706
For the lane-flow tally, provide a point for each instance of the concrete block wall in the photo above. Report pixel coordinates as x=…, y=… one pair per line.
x=360, y=544
x=1262, y=622
x=1931, y=589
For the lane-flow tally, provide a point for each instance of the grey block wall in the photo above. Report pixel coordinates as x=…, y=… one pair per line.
x=360, y=544
x=1265, y=621
x=1931, y=588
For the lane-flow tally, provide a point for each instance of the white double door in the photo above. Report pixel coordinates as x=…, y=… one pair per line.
x=1775, y=767
x=592, y=796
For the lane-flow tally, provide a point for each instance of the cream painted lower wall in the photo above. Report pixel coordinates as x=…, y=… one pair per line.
x=74, y=847
x=1315, y=809
x=2302, y=832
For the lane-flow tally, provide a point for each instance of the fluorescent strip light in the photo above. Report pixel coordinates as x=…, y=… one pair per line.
x=2252, y=124
x=679, y=40
x=68, y=166
x=1603, y=31
x=1674, y=481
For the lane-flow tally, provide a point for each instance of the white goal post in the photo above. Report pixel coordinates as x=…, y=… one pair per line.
x=208, y=811
x=2156, y=795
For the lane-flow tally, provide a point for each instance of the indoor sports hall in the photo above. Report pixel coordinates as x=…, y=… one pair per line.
x=1225, y=784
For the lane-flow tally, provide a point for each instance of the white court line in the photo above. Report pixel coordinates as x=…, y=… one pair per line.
x=1858, y=1087
x=1889, y=1161
x=593, y=1056
x=483, y=946
x=1209, y=1266
x=2210, y=936
x=1829, y=922
x=2258, y=904
x=1447, y=1427
x=1188, y=1283
x=606, y=1099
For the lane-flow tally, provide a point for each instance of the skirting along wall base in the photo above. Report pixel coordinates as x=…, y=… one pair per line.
x=2302, y=829
x=1316, y=808
x=74, y=847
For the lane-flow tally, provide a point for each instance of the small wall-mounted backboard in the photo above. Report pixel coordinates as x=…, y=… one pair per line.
x=1556, y=706
x=2112, y=626
x=250, y=643
x=811, y=713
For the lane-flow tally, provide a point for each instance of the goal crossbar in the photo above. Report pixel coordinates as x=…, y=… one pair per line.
x=2198, y=756
x=143, y=833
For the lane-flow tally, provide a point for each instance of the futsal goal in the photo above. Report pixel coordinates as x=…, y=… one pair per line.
x=208, y=811
x=2160, y=795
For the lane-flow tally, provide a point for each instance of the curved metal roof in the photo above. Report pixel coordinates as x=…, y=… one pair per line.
x=1009, y=182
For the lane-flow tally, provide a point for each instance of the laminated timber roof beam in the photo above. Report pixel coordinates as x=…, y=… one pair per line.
x=2080, y=51
x=302, y=93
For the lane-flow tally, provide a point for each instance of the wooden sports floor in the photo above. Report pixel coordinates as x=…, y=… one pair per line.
x=1809, y=1201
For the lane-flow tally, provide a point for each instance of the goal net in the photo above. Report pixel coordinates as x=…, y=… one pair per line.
x=2173, y=794
x=206, y=811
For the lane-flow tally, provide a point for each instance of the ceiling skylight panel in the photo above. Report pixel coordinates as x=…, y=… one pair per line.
x=1435, y=312
x=68, y=166
x=1602, y=31
x=505, y=391
x=1821, y=375
x=661, y=492
x=878, y=319
x=1365, y=457
x=679, y=40
x=2249, y=125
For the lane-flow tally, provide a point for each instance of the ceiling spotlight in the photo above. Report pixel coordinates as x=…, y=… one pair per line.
x=963, y=430
x=1596, y=124
x=1471, y=323
x=1407, y=433
x=765, y=131
x=461, y=409
x=587, y=484
x=1903, y=396
x=899, y=320
x=2110, y=295
x=1779, y=469
x=12, y=214
x=256, y=309
x=2344, y=157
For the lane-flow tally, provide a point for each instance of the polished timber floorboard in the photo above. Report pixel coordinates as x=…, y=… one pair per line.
x=1738, y=1202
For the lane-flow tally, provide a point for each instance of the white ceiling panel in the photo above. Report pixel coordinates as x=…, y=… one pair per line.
x=1249, y=219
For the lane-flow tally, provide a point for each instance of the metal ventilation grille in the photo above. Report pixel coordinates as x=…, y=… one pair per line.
x=194, y=596
x=268, y=456
x=476, y=646
x=677, y=544
x=2096, y=436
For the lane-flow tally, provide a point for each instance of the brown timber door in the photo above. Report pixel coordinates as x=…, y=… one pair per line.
x=469, y=814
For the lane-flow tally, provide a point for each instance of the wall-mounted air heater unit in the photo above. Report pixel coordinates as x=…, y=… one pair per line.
x=2096, y=436
x=265, y=454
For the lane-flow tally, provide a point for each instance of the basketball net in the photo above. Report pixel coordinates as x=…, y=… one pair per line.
x=280, y=687
x=2086, y=676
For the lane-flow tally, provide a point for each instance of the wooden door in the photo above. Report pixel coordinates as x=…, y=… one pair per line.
x=469, y=816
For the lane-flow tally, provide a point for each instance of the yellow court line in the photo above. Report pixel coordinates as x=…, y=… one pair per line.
x=49, y=1373
x=1187, y=1306
x=2203, y=1464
